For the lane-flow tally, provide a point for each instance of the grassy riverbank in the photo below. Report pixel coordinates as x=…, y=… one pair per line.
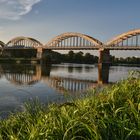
x=113, y=114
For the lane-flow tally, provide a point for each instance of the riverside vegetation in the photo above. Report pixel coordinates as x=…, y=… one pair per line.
x=110, y=114
x=25, y=56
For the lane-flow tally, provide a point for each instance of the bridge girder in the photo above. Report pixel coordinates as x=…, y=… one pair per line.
x=68, y=35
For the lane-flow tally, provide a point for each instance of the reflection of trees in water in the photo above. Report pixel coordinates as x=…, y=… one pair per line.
x=25, y=69
x=70, y=69
x=79, y=69
x=115, y=69
x=32, y=74
x=88, y=69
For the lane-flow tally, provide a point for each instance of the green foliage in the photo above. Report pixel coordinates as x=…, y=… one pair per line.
x=87, y=58
x=127, y=60
x=79, y=57
x=71, y=57
x=113, y=114
x=23, y=53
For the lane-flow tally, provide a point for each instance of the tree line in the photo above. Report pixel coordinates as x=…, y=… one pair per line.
x=70, y=57
x=127, y=60
x=87, y=58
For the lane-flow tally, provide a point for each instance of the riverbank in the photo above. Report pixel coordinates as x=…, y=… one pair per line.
x=37, y=61
x=112, y=114
x=128, y=65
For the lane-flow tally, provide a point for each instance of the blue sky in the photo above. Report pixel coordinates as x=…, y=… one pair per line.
x=44, y=19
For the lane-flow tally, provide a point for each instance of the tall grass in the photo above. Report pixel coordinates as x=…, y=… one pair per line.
x=113, y=114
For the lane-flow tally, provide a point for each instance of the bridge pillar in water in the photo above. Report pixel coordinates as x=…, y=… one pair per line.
x=103, y=74
x=39, y=53
x=104, y=57
x=45, y=70
x=46, y=59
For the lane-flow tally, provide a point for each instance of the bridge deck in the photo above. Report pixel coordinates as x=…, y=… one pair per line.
x=95, y=48
x=81, y=48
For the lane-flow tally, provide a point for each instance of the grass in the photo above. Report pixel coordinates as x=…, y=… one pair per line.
x=113, y=114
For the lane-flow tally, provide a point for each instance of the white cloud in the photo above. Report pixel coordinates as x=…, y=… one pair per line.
x=14, y=9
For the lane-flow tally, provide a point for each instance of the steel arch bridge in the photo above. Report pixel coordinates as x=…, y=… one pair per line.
x=23, y=43
x=73, y=41
x=126, y=41
x=77, y=41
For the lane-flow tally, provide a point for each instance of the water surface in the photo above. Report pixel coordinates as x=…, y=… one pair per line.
x=56, y=83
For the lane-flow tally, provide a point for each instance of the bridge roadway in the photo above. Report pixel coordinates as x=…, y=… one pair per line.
x=101, y=47
x=94, y=48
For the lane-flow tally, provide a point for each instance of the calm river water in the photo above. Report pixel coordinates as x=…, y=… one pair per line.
x=20, y=83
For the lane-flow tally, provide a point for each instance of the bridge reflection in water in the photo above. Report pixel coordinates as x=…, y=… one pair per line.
x=27, y=75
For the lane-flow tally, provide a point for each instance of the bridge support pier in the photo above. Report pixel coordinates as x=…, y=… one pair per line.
x=39, y=53
x=42, y=56
x=103, y=74
x=104, y=57
x=103, y=66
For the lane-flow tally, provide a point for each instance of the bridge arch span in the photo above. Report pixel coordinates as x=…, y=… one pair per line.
x=24, y=42
x=130, y=38
x=72, y=40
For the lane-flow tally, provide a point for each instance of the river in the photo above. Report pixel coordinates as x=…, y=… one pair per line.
x=51, y=84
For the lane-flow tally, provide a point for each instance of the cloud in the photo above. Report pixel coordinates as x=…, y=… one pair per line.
x=14, y=9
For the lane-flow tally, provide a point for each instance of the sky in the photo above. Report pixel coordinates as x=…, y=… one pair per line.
x=45, y=19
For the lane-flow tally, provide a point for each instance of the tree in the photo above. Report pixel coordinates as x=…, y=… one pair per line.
x=70, y=56
x=78, y=57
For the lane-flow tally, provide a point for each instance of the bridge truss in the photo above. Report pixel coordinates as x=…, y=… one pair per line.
x=126, y=41
x=23, y=43
x=73, y=41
